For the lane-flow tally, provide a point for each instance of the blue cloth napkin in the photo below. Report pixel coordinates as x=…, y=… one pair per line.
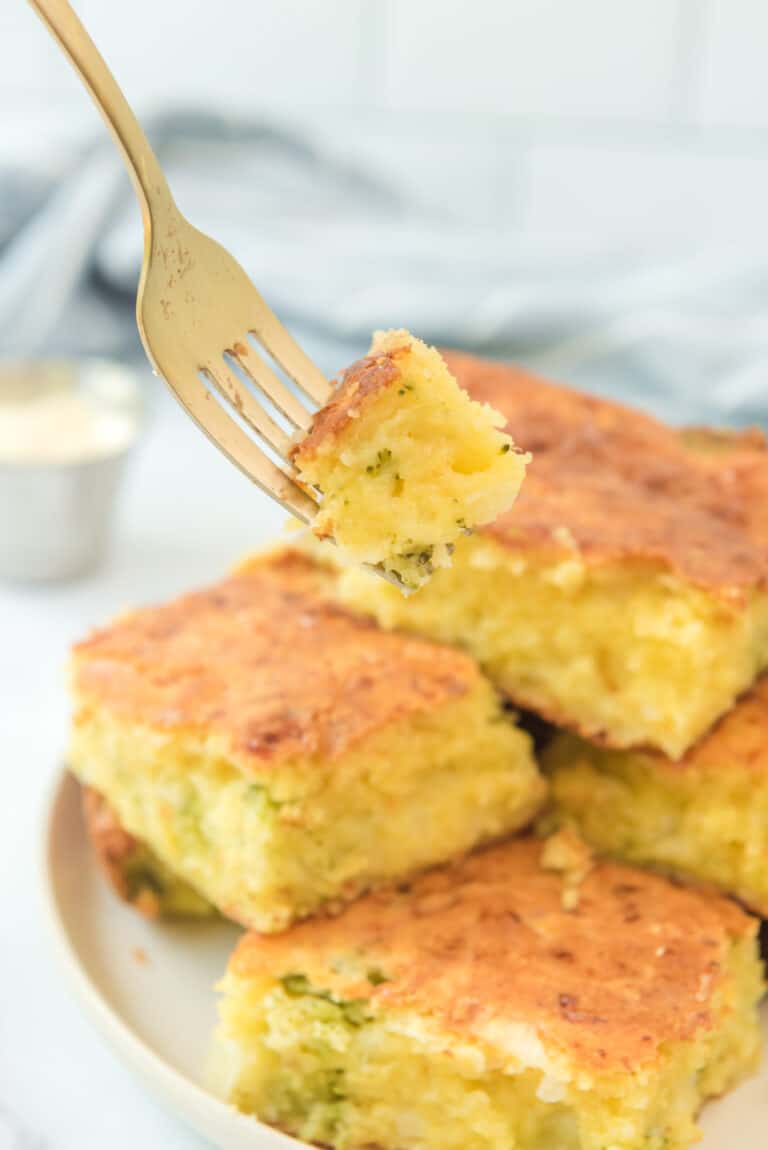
x=339, y=253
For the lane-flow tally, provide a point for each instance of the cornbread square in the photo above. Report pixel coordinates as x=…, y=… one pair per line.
x=406, y=462
x=471, y=1008
x=625, y=595
x=704, y=817
x=281, y=755
x=135, y=873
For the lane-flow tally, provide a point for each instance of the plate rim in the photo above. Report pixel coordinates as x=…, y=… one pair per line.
x=199, y=1108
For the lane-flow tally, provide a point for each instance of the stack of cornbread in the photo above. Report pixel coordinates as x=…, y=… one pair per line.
x=301, y=734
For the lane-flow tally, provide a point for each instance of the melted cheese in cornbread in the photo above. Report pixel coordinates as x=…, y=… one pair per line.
x=625, y=594
x=280, y=754
x=472, y=1008
x=405, y=461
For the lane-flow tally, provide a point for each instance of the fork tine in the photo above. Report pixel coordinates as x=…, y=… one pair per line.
x=272, y=386
x=247, y=407
x=221, y=428
x=295, y=363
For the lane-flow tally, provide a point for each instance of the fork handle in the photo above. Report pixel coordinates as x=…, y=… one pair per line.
x=149, y=181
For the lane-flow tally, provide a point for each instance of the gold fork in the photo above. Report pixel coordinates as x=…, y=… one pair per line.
x=196, y=307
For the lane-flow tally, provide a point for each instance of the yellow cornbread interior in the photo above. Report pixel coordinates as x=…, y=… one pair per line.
x=420, y=464
x=272, y=847
x=331, y=1071
x=624, y=651
x=703, y=822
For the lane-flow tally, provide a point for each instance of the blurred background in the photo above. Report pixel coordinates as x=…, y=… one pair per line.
x=578, y=185
x=641, y=120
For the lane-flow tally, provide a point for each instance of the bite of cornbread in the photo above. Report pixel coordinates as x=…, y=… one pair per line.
x=406, y=461
x=624, y=596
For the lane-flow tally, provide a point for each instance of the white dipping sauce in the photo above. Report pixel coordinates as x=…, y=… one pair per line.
x=61, y=425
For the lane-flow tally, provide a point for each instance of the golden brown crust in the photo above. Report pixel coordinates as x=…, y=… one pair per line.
x=358, y=385
x=115, y=850
x=265, y=662
x=612, y=483
x=113, y=845
x=486, y=943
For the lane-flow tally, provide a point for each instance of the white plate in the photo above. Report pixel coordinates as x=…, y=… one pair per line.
x=148, y=987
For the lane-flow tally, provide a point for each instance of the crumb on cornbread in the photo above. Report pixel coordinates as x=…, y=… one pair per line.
x=625, y=595
x=406, y=462
x=280, y=754
x=704, y=817
x=567, y=854
x=470, y=1008
x=133, y=871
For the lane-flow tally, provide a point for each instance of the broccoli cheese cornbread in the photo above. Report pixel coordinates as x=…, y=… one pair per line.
x=469, y=1008
x=279, y=754
x=134, y=872
x=625, y=595
x=405, y=461
x=704, y=817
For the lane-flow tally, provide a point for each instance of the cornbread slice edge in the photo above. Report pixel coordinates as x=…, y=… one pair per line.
x=624, y=652
x=281, y=755
x=397, y=1024
x=134, y=872
x=704, y=818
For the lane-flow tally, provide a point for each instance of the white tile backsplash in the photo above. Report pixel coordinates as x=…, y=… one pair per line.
x=664, y=196
x=733, y=73
x=256, y=53
x=637, y=117
x=555, y=58
x=456, y=167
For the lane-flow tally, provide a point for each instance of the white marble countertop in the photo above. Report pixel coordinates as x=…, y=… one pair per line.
x=185, y=516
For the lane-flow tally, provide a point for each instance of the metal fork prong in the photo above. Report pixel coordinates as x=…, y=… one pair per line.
x=284, y=350
x=247, y=407
x=272, y=385
x=222, y=429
